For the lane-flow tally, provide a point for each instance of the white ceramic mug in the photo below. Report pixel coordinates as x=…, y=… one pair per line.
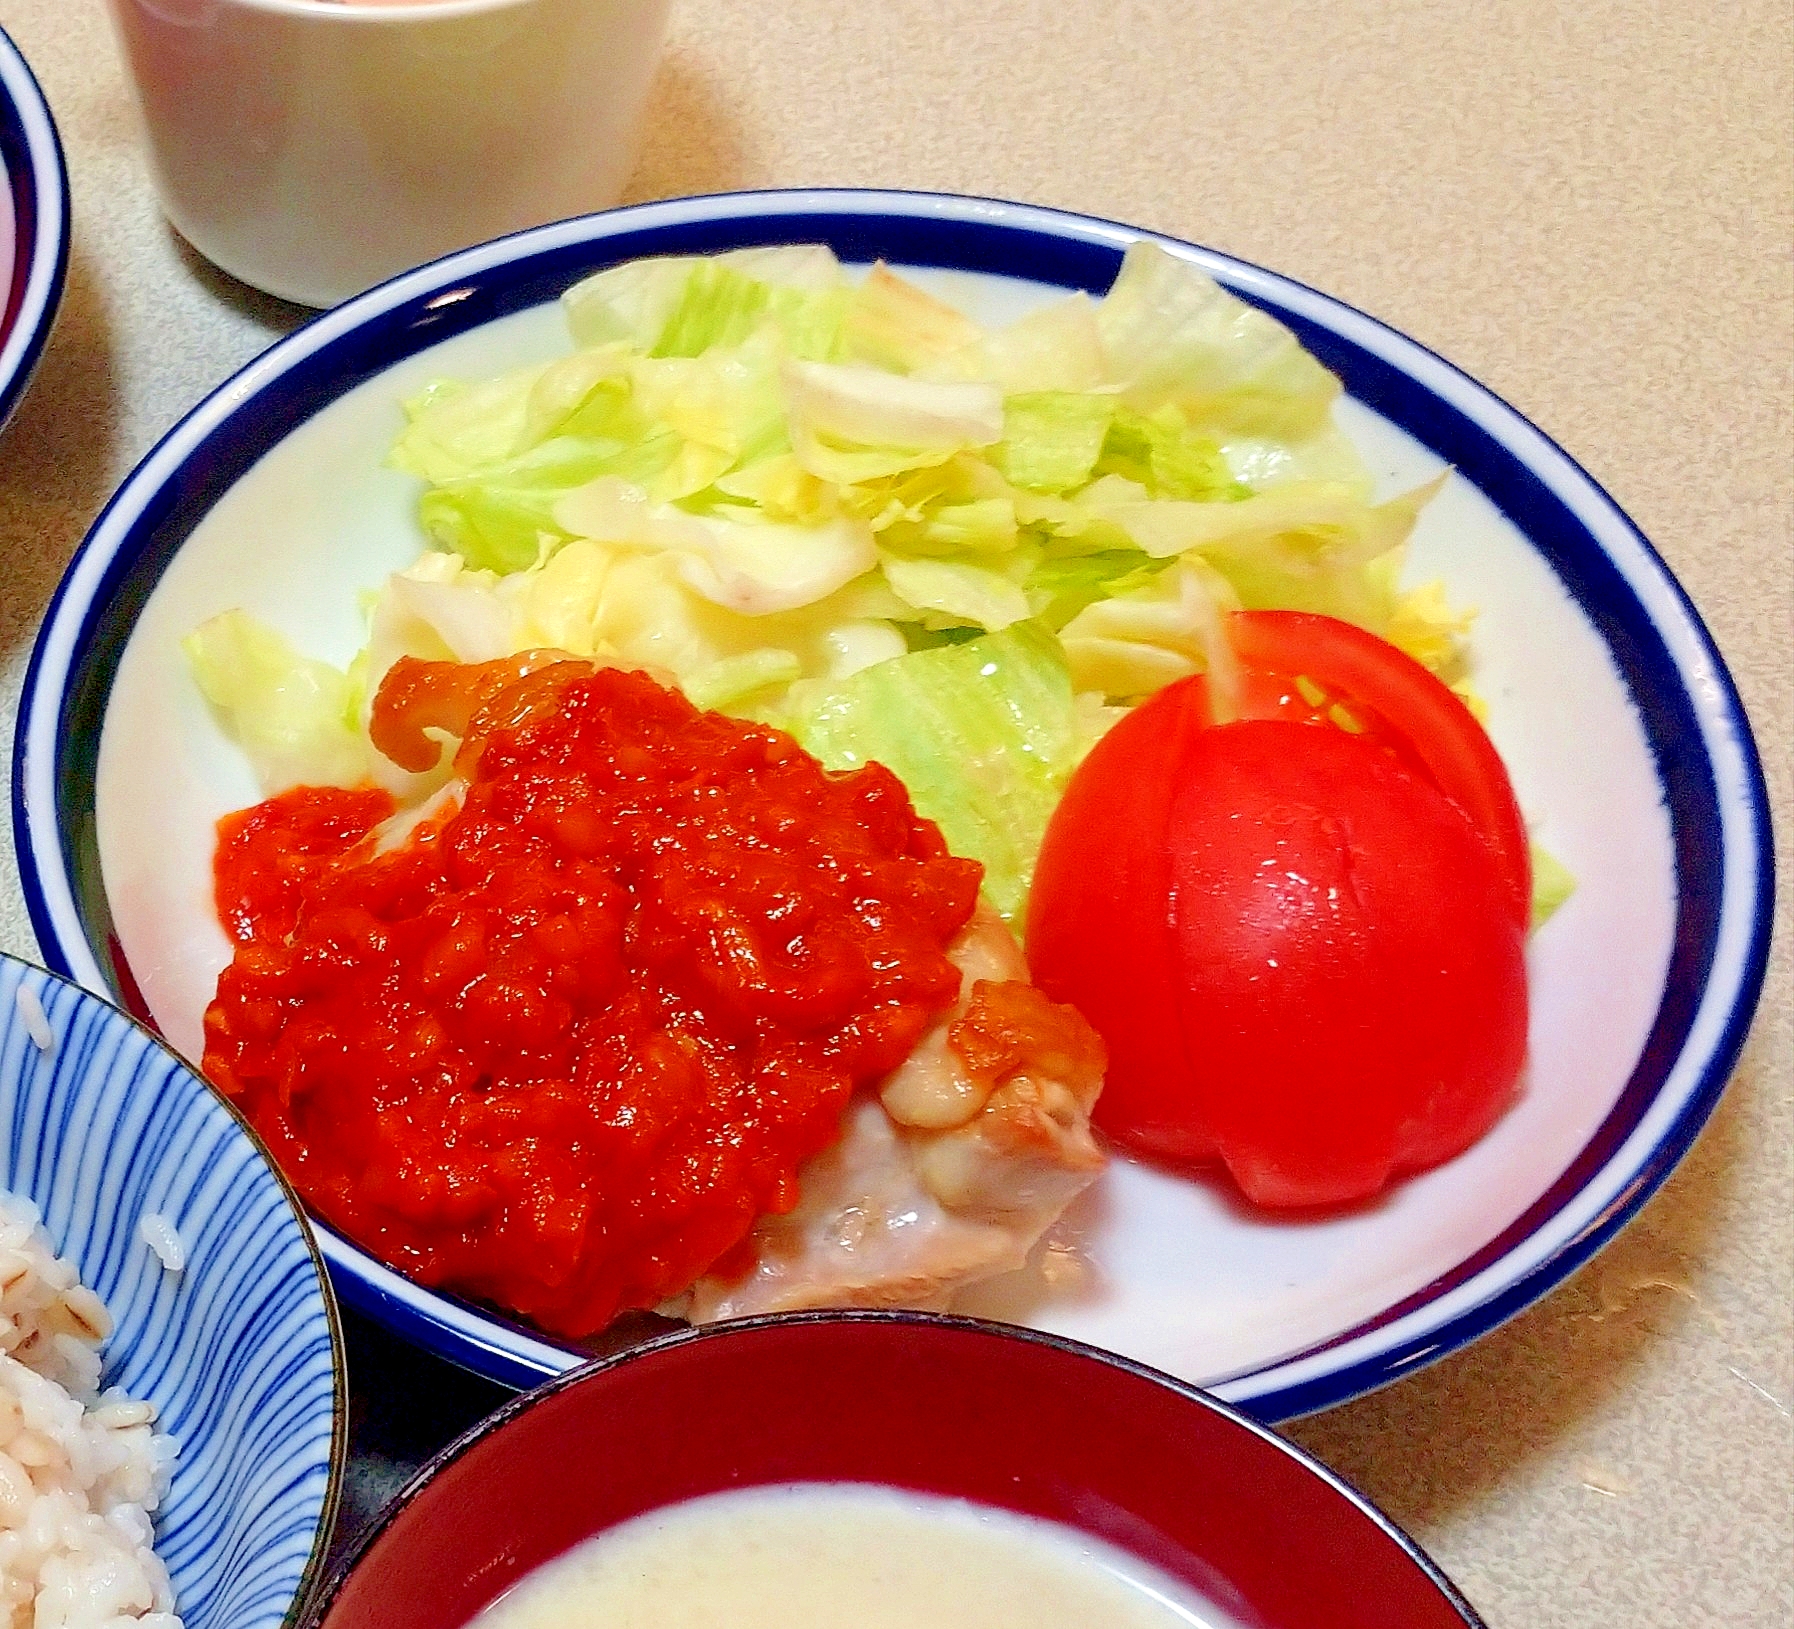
x=314, y=147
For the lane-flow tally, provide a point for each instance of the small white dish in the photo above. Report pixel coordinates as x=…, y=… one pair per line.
x=1620, y=725
x=313, y=147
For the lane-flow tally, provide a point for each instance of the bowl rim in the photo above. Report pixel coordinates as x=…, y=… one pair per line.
x=317, y=1558
x=595, y=1372
x=40, y=202
x=445, y=297
x=370, y=13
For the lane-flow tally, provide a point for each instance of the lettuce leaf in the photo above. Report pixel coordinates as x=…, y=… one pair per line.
x=983, y=734
x=851, y=423
x=756, y=474
x=1552, y=884
x=680, y=305
x=890, y=323
x=1052, y=439
x=1138, y=640
x=956, y=591
x=1171, y=334
x=1055, y=348
x=1307, y=548
x=1165, y=456
x=296, y=719
x=781, y=432
x=734, y=557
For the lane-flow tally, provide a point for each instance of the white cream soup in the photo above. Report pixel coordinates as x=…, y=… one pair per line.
x=844, y=1556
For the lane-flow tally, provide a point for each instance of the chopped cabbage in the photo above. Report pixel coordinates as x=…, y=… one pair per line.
x=831, y=500
x=1171, y=334
x=1058, y=347
x=297, y=720
x=892, y=324
x=760, y=431
x=1552, y=884
x=1133, y=643
x=983, y=734
x=962, y=594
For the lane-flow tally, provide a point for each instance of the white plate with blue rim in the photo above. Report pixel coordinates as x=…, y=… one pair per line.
x=226, y=1323
x=34, y=224
x=1624, y=735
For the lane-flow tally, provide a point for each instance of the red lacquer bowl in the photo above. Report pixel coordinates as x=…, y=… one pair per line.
x=1006, y=1417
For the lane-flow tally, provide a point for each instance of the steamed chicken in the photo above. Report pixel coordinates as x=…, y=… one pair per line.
x=644, y=1008
x=970, y=1149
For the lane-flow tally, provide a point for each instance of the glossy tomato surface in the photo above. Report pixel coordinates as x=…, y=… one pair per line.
x=1407, y=709
x=1352, y=990
x=1304, y=943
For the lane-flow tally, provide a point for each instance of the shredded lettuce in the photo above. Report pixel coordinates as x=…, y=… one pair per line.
x=297, y=720
x=1052, y=439
x=892, y=324
x=1058, y=347
x=1552, y=884
x=1172, y=335
x=802, y=494
x=682, y=305
x=983, y=734
x=961, y=593
x=728, y=683
x=761, y=431
x=1145, y=637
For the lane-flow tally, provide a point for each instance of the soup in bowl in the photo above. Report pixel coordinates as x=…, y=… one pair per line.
x=872, y=1469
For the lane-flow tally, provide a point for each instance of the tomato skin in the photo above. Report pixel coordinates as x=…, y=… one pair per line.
x=1105, y=872
x=1353, y=988
x=1303, y=944
x=1398, y=694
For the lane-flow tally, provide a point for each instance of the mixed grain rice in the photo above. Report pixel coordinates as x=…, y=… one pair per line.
x=80, y=1470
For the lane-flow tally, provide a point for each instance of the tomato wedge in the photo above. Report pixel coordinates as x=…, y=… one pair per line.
x=1300, y=931
x=1120, y=799
x=1380, y=683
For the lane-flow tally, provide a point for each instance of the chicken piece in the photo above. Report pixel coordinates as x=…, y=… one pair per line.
x=1028, y=1150
x=932, y=1088
x=949, y=1175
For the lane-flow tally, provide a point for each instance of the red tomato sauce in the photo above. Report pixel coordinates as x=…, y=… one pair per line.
x=563, y=1044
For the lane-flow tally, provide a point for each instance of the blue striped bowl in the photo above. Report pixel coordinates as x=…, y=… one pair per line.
x=240, y=1350
x=34, y=224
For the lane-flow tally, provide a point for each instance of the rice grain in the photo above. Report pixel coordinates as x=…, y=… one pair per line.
x=159, y=1234
x=35, y=1019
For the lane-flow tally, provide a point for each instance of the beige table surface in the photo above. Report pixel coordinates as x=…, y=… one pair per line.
x=1589, y=206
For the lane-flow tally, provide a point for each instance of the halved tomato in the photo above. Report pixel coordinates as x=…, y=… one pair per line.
x=1300, y=931
x=1407, y=709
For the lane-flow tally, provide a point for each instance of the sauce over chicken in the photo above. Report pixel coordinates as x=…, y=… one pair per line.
x=604, y=1028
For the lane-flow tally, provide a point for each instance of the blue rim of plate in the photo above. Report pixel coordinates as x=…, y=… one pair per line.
x=1696, y=727
x=37, y=183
